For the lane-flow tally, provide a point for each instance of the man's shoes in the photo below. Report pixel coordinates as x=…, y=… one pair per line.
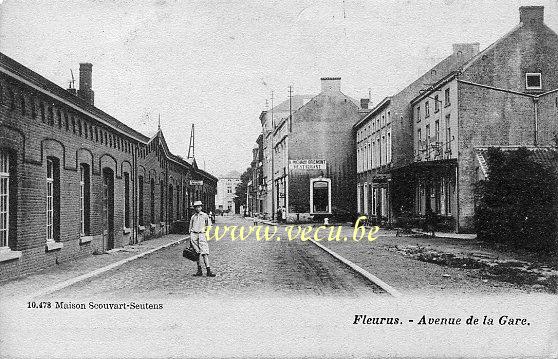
x=209, y=273
x=198, y=273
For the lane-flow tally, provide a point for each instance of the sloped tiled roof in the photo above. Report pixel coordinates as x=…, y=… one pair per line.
x=546, y=156
x=40, y=83
x=297, y=101
x=33, y=79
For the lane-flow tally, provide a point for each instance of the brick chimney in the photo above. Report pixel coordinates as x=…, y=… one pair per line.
x=85, y=78
x=364, y=103
x=531, y=15
x=467, y=50
x=331, y=84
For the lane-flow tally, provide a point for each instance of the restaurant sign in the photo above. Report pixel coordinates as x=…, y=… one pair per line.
x=307, y=164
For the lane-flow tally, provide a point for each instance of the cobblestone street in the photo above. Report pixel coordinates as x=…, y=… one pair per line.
x=244, y=269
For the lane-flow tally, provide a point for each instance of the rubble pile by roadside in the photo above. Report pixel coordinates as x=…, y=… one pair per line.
x=487, y=266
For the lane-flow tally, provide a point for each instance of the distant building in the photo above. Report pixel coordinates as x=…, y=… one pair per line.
x=308, y=157
x=504, y=96
x=224, y=201
x=256, y=189
x=384, y=139
x=268, y=119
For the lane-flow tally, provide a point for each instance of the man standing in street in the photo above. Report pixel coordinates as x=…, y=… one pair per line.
x=198, y=223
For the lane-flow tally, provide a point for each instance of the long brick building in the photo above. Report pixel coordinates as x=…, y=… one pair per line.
x=74, y=180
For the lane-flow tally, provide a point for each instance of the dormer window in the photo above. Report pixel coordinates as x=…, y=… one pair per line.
x=533, y=81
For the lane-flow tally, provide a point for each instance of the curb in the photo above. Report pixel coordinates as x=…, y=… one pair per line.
x=101, y=270
x=363, y=272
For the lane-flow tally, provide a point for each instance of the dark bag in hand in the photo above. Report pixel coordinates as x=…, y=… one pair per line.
x=191, y=254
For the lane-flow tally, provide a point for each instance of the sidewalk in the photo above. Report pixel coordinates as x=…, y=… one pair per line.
x=70, y=272
x=450, y=235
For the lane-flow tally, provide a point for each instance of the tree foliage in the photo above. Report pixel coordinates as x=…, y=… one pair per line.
x=517, y=203
x=241, y=188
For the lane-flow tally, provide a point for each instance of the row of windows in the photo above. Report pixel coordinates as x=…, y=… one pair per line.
x=374, y=153
x=374, y=125
x=62, y=119
x=372, y=200
x=437, y=103
x=438, y=195
x=432, y=145
x=52, y=210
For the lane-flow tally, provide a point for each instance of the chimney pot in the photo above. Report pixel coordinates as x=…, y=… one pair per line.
x=364, y=103
x=530, y=15
x=466, y=49
x=331, y=84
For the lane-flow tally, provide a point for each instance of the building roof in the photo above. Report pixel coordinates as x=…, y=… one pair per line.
x=232, y=174
x=478, y=58
x=546, y=156
x=297, y=101
x=385, y=102
x=39, y=83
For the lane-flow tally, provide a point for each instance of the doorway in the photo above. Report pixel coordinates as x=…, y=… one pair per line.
x=320, y=195
x=108, y=208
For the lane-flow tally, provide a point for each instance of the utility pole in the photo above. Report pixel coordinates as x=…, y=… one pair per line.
x=290, y=108
x=287, y=175
x=191, y=147
x=272, y=163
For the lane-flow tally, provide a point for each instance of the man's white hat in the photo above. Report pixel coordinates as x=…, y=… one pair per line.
x=198, y=203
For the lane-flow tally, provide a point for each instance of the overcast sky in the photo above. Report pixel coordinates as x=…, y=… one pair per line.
x=214, y=63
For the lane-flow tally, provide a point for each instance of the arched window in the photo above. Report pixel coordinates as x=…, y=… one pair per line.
x=7, y=197
x=140, y=200
x=33, y=110
x=42, y=108
x=177, y=202
x=171, y=194
x=52, y=199
x=50, y=116
x=162, y=201
x=12, y=99
x=152, y=200
x=22, y=105
x=84, y=198
x=126, y=200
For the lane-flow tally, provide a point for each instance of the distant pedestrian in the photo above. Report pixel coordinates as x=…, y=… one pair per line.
x=198, y=223
x=279, y=214
x=283, y=215
x=430, y=221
